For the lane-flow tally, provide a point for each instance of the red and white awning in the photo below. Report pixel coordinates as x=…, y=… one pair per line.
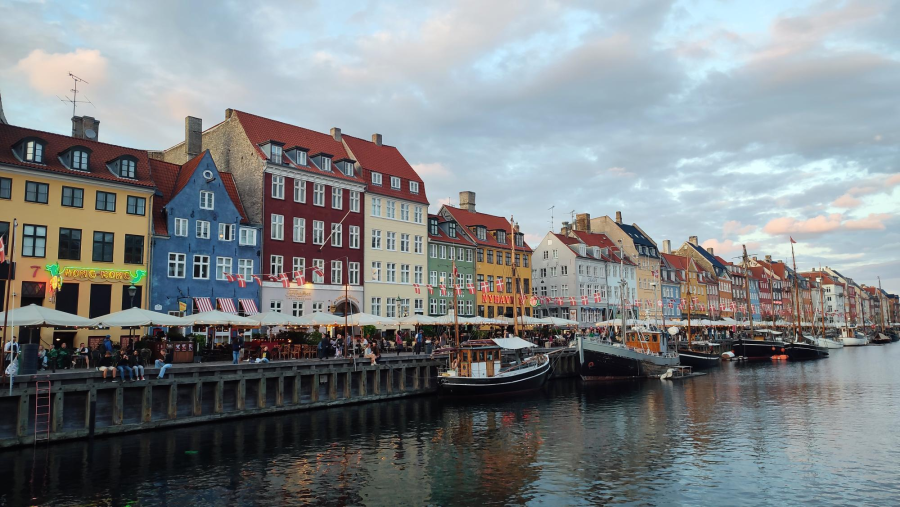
x=249, y=306
x=204, y=304
x=227, y=305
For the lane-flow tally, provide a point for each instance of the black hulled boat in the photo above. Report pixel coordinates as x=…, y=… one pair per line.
x=700, y=355
x=802, y=351
x=644, y=354
x=763, y=344
x=477, y=369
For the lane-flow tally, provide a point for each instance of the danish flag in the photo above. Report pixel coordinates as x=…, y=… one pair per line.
x=299, y=278
x=240, y=280
x=318, y=271
x=484, y=286
x=229, y=277
x=417, y=289
x=258, y=279
x=443, y=290
x=671, y=305
x=2, y=251
x=499, y=284
x=285, y=280
x=573, y=301
x=458, y=289
x=584, y=300
x=659, y=303
x=272, y=278
x=430, y=288
x=597, y=298
x=559, y=300
x=471, y=288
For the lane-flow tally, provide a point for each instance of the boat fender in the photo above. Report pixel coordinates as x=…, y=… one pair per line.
x=668, y=374
x=591, y=364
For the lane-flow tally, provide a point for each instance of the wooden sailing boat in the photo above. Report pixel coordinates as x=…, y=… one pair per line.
x=700, y=354
x=800, y=349
x=758, y=343
x=880, y=338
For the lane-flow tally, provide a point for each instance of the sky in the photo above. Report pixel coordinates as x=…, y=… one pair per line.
x=735, y=121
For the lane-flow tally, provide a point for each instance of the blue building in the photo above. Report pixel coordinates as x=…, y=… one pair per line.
x=754, y=298
x=201, y=236
x=671, y=278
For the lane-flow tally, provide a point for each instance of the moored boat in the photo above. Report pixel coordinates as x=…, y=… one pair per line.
x=804, y=350
x=763, y=344
x=700, y=355
x=850, y=338
x=477, y=369
x=644, y=354
x=880, y=339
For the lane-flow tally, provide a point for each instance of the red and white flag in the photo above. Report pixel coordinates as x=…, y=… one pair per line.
x=229, y=277
x=430, y=288
x=285, y=280
x=458, y=289
x=443, y=290
x=273, y=278
x=471, y=288
x=573, y=301
x=584, y=300
x=484, y=286
x=417, y=288
x=597, y=298
x=299, y=278
x=317, y=270
x=499, y=284
x=240, y=280
x=258, y=279
x=559, y=300
x=2, y=251
x=659, y=303
x=792, y=240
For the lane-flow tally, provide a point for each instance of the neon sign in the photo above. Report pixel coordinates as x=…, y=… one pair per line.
x=58, y=274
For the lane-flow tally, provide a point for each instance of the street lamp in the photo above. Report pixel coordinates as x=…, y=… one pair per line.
x=131, y=292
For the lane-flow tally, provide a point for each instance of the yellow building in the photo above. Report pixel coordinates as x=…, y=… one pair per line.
x=494, y=258
x=83, y=211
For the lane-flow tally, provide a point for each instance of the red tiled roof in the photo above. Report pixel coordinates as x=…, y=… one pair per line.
x=602, y=241
x=388, y=161
x=469, y=219
x=231, y=188
x=260, y=130
x=101, y=153
x=676, y=261
x=187, y=170
x=461, y=239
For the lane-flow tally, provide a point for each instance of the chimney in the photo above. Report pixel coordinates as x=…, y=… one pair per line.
x=85, y=127
x=193, y=136
x=467, y=201
x=768, y=258
x=618, y=217
x=376, y=138
x=336, y=134
x=693, y=240
x=228, y=113
x=667, y=246
x=710, y=250
x=564, y=230
x=583, y=222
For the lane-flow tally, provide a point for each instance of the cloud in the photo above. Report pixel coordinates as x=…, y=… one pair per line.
x=48, y=72
x=620, y=172
x=433, y=170
x=846, y=201
x=873, y=222
x=817, y=225
x=736, y=228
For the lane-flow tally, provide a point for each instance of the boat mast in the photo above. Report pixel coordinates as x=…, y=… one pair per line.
x=744, y=261
x=822, y=299
x=880, y=311
x=622, y=286
x=690, y=300
x=512, y=249
x=796, y=282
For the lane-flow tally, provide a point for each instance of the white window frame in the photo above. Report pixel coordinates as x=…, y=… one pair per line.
x=376, y=271
x=300, y=190
x=298, y=264
x=376, y=239
x=390, y=209
x=318, y=232
x=417, y=215
x=390, y=241
x=277, y=227
x=181, y=227
x=337, y=234
x=178, y=260
x=376, y=207
x=390, y=272
x=376, y=178
x=207, y=200
x=354, y=201
x=318, y=263
x=353, y=275
x=404, y=242
x=413, y=187
x=404, y=211
x=354, y=236
x=226, y=232
x=276, y=265
x=337, y=198
x=223, y=267
x=245, y=269
x=395, y=183
x=247, y=236
x=201, y=229
x=418, y=248
x=319, y=194
x=299, y=230
x=297, y=308
x=337, y=273
x=277, y=187
x=199, y=261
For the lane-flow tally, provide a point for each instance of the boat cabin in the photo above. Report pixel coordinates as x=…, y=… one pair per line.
x=477, y=359
x=646, y=340
x=766, y=335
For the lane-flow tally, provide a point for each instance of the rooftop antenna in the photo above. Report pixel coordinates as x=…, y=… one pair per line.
x=551, y=217
x=74, y=100
x=572, y=219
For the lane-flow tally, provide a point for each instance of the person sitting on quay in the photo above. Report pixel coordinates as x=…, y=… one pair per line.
x=85, y=352
x=263, y=355
x=97, y=354
x=137, y=365
x=369, y=354
x=42, y=357
x=165, y=364
x=105, y=365
x=123, y=367
x=339, y=346
x=59, y=358
x=11, y=349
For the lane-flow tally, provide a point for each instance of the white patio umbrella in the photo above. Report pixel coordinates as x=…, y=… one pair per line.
x=275, y=319
x=321, y=319
x=137, y=317
x=217, y=318
x=368, y=319
x=418, y=320
x=556, y=321
x=39, y=316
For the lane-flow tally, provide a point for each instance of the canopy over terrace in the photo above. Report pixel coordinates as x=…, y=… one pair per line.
x=40, y=316
x=137, y=317
x=217, y=318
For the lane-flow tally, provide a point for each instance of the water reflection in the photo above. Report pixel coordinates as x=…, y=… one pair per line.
x=817, y=433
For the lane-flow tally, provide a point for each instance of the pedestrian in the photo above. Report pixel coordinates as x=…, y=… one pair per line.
x=398, y=343
x=107, y=344
x=11, y=349
x=97, y=354
x=165, y=363
x=420, y=341
x=123, y=367
x=105, y=365
x=235, y=349
x=137, y=365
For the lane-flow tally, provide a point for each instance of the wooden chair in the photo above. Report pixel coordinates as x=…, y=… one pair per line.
x=296, y=351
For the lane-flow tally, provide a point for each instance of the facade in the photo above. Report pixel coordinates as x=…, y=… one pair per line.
x=449, y=247
x=638, y=247
x=672, y=279
x=495, y=239
x=754, y=309
x=306, y=193
x=201, y=235
x=396, y=229
x=717, y=277
x=620, y=270
x=83, y=209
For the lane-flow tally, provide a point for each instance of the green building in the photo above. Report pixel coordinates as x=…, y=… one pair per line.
x=446, y=246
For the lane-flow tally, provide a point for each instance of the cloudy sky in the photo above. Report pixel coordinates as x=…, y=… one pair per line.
x=736, y=121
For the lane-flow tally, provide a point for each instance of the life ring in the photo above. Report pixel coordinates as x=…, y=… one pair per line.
x=591, y=364
x=773, y=348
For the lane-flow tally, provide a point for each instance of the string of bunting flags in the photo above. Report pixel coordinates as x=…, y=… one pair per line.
x=297, y=277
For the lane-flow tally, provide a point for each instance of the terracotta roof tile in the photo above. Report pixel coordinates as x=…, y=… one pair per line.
x=388, y=161
x=231, y=188
x=602, y=241
x=469, y=220
x=461, y=239
x=164, y=175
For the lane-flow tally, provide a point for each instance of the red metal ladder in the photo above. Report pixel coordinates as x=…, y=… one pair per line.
x=42, y=400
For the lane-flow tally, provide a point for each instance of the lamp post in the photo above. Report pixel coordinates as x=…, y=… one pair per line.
x=132, y=290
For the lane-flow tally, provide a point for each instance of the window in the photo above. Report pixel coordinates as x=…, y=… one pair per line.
x=395, y=183
x=337, y=272
x=460, y=254
x=300, y=156
x=376, y=271
x=297, y=308
x=564, y=270
x=452, y=253
x=433, y=226
x=135, y=205
x=103, y=247
x=176, y=265
x=443, y=250
x=480, y=255
x=318, y=306
x=299, y=190
x=318, y=232
x=207, y=200
x=390, y=307
x=73, y=197
x=276, y=265
x=404, y=212
x=126, y=168
x=326, y=164
x=181, y=226
x=299, y=233
x=245, y=268
x=70, y=244
x=201, y=267
x=354, y=273
x=5, y=188
x=418, y=245
x=316, y=277
x=443, y=306
x=525, y=259
x=432, y=251
x=417, y=217
x=277, y=184
x=298, y=264
x=376, y=206
x=277, y=227
x=34, y=152
x=318, y=194
x=106, y=201
x=247, y=236
x=413, y=187
x=404, y=243
x=79, y=160
x=490, y=256
x=481, y=232
x=275, y=305
x=134, y=249
x=337, y=198
x=223, y=266
x=390, y=209
x=432, y=278
x=348, y=169
x=226, y=232
x=354, y=236
x=432, y=306
x=390, y=272
x=337, y=234
x=391, y=243
x=469, y=255
x=376, y=304
x=376, y=179
x=404, y=273
x=276, y=157
x=376, y=239
x=202, y=229
x=37, y=192
x=354, y=201
x=419, y=274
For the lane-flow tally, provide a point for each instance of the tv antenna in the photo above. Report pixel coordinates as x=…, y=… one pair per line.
x=74, y=100
x=551, y=217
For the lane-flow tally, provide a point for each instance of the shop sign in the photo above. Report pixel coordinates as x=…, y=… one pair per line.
x=59, y=273
x=298, y=294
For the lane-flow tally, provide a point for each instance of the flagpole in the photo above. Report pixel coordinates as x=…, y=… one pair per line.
x=455, y=304
x=6, y=305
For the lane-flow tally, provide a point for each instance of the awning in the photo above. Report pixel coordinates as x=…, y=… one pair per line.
x=249, y=306
x=513, y=343
x=227, y=305
x=204, y=304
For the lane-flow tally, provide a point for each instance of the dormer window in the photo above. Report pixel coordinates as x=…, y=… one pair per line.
x=34, y=151
x=395, y=183
x=451, y=229
x=326, y=164
x=298, y=156
x=275, y=157
x=582, y=250
x=413, y=187
x=501, y=236
x=348, y=168
x=520, y=239
x=376, y=179
x=125, y=167
x=596, y=250
x=481, y=232
x=79, y=159
x=433, y=226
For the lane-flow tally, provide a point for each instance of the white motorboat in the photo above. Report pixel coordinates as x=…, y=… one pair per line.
x=827, y=343
x=852, y=339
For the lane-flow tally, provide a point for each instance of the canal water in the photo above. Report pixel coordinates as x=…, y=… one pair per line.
x=816, y=433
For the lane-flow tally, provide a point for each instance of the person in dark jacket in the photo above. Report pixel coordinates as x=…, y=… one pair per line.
x=137, y=365
x=235, y=349
x=165, y=364
x=124, y=368
x=105, y=365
